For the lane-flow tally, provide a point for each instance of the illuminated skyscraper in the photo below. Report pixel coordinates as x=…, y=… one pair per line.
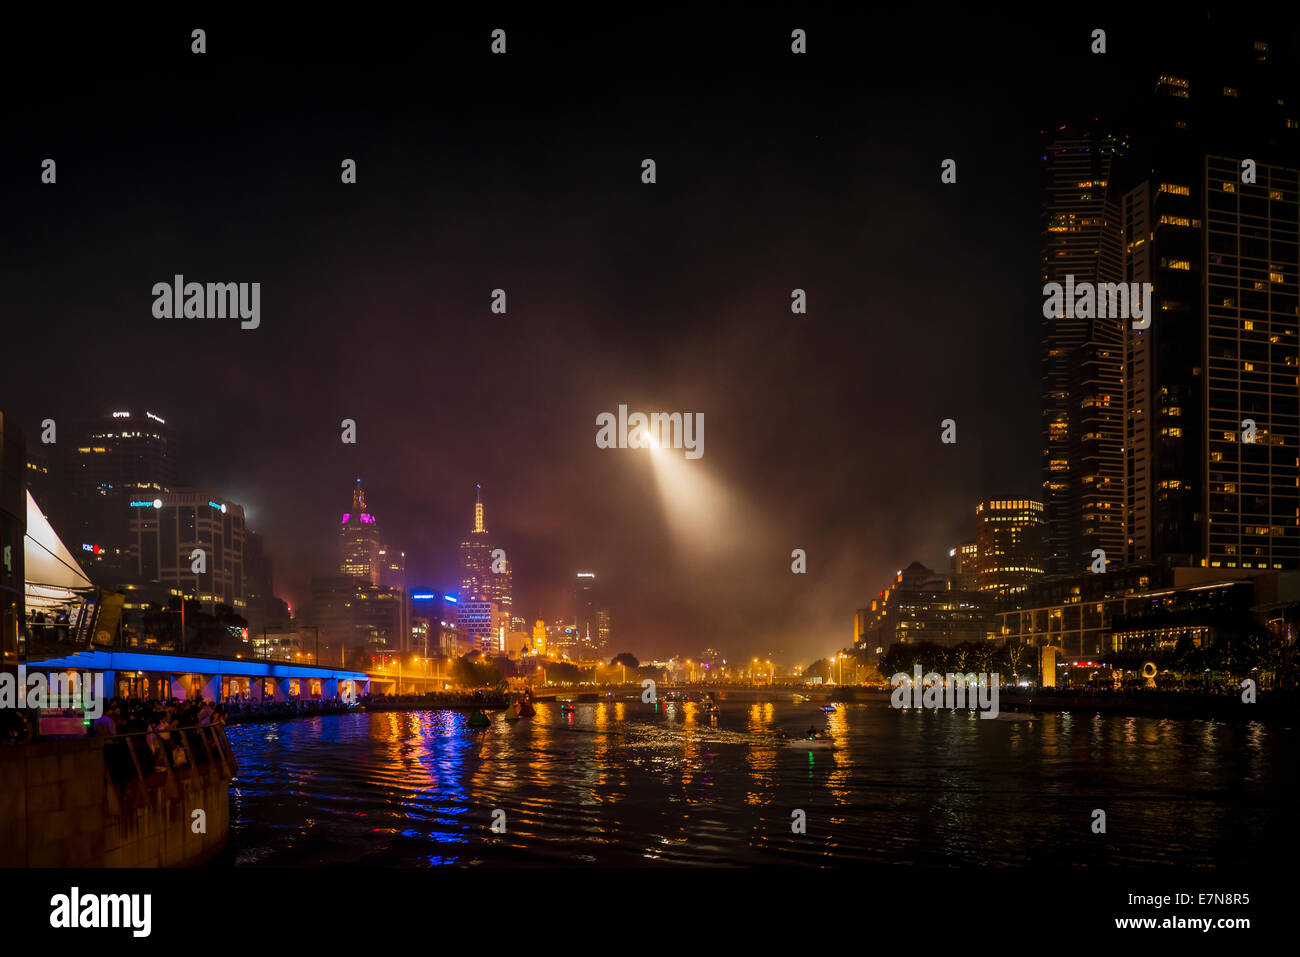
x=167, y=529
x=1009, y=542
x=1223, y=346
x=1082, y=359
x=591, y=617
x=483, y=577
x=359, y=540
x=476, y=557
x=479, y=624
x=99, y=468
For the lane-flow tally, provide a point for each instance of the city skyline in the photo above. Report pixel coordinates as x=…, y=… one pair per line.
x=590, y=326
x=792, y=443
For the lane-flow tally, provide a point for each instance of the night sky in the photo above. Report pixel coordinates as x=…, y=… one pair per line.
x=522, y=172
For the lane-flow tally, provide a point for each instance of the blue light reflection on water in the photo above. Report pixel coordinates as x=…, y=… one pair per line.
x=624, y=783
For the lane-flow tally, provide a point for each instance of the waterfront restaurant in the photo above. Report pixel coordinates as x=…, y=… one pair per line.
x=159, y=677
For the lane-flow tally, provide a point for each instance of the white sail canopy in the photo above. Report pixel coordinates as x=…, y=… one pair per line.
x=53, y=575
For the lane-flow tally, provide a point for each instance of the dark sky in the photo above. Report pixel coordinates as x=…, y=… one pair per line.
x=523, y=172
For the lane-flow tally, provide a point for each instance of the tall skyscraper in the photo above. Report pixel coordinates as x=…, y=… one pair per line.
x=359, y=540
x=483, y=577
x=1224, y=342
x=476, y=557
x=1009, y=542
x=101, y=466
x=591, y=616
x=1082, y=359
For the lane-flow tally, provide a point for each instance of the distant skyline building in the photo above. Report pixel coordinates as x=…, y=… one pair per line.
x=965, y=567
x=1009, y=541
x=168, y=527
x=562, y=640
x=263, y=609
x=1082, y=355
x=98, y=467
x=359, y=540
x=357, y=616
x=591, y=616
x=920, y=606
x=476, y=557
x=392, y=567
x=478, y=622
x=479, y=582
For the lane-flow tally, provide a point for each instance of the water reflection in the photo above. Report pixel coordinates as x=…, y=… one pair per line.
x=625, y=783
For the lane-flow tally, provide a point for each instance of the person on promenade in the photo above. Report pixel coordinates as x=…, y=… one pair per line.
x=156, y=744
x=106, y=723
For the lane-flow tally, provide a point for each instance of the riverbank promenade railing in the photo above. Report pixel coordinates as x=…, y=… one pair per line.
x=137, y=762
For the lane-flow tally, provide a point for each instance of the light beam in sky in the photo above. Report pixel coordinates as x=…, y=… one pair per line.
x=700, y=512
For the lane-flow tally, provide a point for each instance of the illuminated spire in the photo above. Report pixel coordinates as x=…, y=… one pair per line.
x=358, y=497
x=478, y=510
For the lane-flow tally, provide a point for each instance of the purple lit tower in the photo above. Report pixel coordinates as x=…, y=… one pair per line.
x=359, y=541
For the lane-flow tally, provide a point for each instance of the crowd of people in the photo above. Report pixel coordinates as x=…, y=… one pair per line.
x=157, y=732
x=435, y=700
x=156, y=722
x=154, y=727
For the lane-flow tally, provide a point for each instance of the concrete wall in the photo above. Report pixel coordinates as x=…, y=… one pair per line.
x=51, y=805
x=54, y=812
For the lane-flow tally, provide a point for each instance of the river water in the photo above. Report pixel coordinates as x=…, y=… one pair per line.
x=625, y=783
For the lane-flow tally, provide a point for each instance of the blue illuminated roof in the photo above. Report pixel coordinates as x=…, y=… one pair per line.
x=184, y=664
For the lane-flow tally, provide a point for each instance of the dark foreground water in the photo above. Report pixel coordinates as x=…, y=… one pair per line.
x=619, y=784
